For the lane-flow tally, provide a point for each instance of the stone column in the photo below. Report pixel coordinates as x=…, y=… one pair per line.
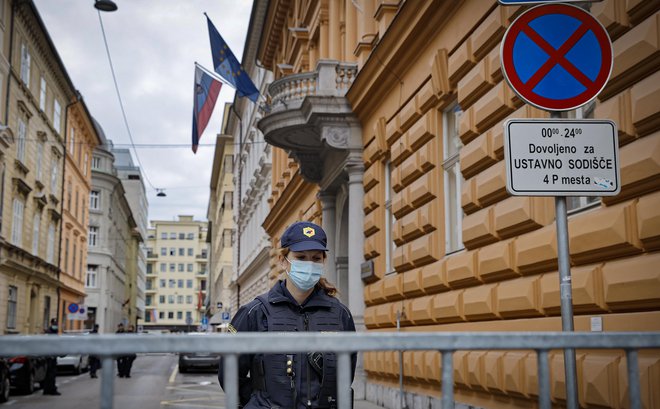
x=355, y=240
x=333, y=32
x=355, y=171
x=329, y=222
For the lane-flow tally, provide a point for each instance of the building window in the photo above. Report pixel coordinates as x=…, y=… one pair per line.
x=228, y=200
x=390, y=246
x=191, y=236
x=170, y=315
x=42, y=94
x=40, y=160
x=179, y=283
x=179, y=315
x=163, y=236
x=189, y=299
x=453, y=178
x=172, y=251
x=172, y=267
x=73, y=262
x=163, y=283
x=12, y=303
x=181, y=267
x=57, y=115
x=182, y=236
x=182, y=252
x=190, y=267
x=72, y=141
x=94, y=200
x=226, y=237
x=17, y=223
x=170, y=299
x=161, y=315
x=172, y=236
x=90, y=279
x=190, y=252
x=36, y=223
x=150, y=268
x=85, y=164
x=163, y=267
x=575, y=204
x=93, y=235
x=189, y=283
x=54, y=172
x=163, y=251
x=22, y=135
x=25, y=65
x=50, y=249
x=66, y=254
x=172, y=283
x=46, y=319
x=161, y=299
x=96, y=162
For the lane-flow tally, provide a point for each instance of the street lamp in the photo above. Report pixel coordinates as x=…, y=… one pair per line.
x=105, y=5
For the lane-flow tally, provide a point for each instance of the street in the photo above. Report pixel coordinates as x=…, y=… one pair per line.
x=155, y=383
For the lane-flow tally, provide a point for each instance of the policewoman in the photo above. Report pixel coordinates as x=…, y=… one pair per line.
x=303, y=301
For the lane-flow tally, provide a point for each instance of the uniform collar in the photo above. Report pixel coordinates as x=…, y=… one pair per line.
x=279, y=294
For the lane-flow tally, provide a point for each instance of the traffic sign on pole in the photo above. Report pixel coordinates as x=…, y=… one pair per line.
x=561, y=157
x=556, y=57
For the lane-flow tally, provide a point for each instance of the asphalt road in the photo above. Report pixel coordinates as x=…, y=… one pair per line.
x=155, y=383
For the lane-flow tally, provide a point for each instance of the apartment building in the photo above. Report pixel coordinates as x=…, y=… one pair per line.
x=81, y=141
x=38, y=91
x=221, y=230
x=177, y=274
x=113, y=244
x=386, y=119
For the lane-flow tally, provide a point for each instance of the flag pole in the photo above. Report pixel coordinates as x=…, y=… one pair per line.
x=213, y=75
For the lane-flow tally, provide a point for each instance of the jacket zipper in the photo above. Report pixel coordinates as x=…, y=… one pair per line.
x=309, y=383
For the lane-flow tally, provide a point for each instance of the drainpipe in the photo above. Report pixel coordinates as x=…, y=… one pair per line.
x=238, y=207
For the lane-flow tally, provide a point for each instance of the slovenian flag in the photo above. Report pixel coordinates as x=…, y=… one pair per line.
x=206, y=93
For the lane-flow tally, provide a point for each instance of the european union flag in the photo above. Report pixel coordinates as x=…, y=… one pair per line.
x=226, y=64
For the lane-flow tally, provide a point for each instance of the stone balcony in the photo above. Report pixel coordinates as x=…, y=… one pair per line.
x=311, y=118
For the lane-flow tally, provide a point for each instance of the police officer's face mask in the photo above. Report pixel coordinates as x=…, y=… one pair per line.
x=305, y=274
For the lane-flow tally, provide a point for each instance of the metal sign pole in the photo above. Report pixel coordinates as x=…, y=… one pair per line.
x=565, y=291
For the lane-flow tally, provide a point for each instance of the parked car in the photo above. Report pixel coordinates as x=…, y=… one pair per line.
x=25, y=371
x=199, y=360
x=73, y=362
x=5, y=383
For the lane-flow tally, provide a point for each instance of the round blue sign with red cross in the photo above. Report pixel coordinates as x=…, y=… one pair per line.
x=556, y=57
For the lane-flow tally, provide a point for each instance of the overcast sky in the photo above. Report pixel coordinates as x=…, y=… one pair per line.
x=154, y=45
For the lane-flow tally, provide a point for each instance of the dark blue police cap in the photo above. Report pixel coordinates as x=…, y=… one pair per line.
x=302, y=236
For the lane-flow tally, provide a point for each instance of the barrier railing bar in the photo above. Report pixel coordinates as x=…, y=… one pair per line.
x=543, y=379
x=344, y=380
x=107, y=382
x=633, y=379
x=230, y=365
x=447, y=379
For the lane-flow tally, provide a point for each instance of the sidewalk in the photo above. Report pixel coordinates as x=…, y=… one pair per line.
x=365, y=404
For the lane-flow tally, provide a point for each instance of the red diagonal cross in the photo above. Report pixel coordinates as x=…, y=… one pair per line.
x=557, y=56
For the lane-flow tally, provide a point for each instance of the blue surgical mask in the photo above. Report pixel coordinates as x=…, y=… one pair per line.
x=305, y=274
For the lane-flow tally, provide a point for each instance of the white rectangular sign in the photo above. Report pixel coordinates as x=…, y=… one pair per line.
x=561, y=157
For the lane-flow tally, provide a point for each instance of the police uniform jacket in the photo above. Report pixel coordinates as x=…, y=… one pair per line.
x=296, y=380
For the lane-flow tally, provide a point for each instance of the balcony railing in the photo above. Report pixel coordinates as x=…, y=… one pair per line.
x=343, y=344
x=332, y=78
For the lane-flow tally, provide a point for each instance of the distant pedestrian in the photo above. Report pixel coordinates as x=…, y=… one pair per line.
x=94, y=361
x=121, y=360
x=128, y=359
x=50, y=388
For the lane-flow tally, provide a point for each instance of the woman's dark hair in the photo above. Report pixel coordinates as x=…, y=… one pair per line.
x=323, y=283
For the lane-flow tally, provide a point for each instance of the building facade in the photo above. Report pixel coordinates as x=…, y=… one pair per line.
x=131, y=178
x=113, y=240
x=252, y=175
x=38, y=91
x=80, y=142
x=221, y=229
x=177, y=274
x=386, y=120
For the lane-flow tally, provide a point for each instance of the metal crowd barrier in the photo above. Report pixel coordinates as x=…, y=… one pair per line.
x=233, y=345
